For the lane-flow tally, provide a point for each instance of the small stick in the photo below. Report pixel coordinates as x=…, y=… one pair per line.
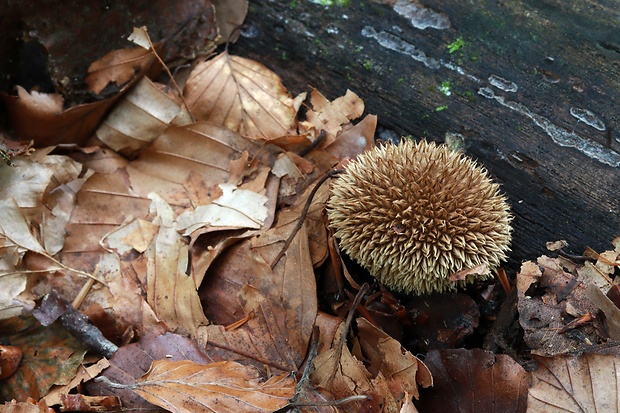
x=54, y=307
x=314, y=144
x=304, y=213
x=77, y=302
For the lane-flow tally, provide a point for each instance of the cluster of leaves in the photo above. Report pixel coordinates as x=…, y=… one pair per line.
x=189, y=230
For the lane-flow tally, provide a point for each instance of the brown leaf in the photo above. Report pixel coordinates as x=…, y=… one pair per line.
x=170, y=291
x=282, y=301
x=119, y=66
x=28, y=406
x=587, y=383
x=402, y=370
x=42, y=118
x=51, y=356
x=331, y=116
x=82, y=403
x=59, y=394
x=229, y=16
x=543, y=317
x=184, y=386
x=474, y=381
x=343, y=375
x=442, y=320
x=134, y=360
x=481, y=269
x=243, y=96
x=354, y=140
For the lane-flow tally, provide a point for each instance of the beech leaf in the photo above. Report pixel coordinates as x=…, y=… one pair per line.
x=242, y=95
x=588, y=383
x=188, y=387
x=144, y=113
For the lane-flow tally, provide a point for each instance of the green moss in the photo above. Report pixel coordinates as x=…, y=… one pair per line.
x=445, y=88
x=456, y=45
x=339, y=3
x=368, y=64
x=441, y=108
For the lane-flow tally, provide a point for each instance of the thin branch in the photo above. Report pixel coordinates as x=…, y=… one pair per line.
x=174, y=82
x=302, y=216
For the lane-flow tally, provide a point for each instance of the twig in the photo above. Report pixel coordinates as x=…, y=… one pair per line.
x=314, y=144
x=77, y=302
x=572, y=257
x=302, y=216
x=174, y=82
x=347, y=325
x=53, y=307
x=304, y=382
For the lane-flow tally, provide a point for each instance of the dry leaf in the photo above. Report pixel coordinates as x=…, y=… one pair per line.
x=187, y=387
x=170, y=291
x=51, y=356
x=243, y=96
x=331, y=116
x=402, y=370
x=474, y=381
x=229, y=16
x=84, y=374
x=141, y=116
x=118, y=66
x=42, y=118
x=342, y=375
x=28, y=406
x=587, y=383
x=282, y=301
x=408, y=406
x=234, y=209
x=543, y=317
x=134, y=360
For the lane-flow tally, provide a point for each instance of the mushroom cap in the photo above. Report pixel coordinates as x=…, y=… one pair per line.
x=416, y=213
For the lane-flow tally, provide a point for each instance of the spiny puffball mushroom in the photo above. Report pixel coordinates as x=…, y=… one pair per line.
x=416, y=213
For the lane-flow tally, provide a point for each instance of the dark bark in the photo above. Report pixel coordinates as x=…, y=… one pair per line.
x=562, y=56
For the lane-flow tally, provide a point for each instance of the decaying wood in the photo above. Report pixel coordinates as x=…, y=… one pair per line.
x=530, y=89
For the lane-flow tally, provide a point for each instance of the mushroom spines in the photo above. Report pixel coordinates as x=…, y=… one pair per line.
x=415, y=213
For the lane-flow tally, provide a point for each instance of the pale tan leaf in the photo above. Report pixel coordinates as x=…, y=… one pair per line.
x=12, y=286
x=587, y=383
x=242, y=95
x=141, y=116
x=188, y=387
x=170, y=291
x=25, y=183
x=234, y=209
x=15, y=229
x=136, y=235
x=61, y=201
x=331, y=116
x=140, y=37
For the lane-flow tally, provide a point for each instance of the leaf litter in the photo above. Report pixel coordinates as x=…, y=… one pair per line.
x=198, y=211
